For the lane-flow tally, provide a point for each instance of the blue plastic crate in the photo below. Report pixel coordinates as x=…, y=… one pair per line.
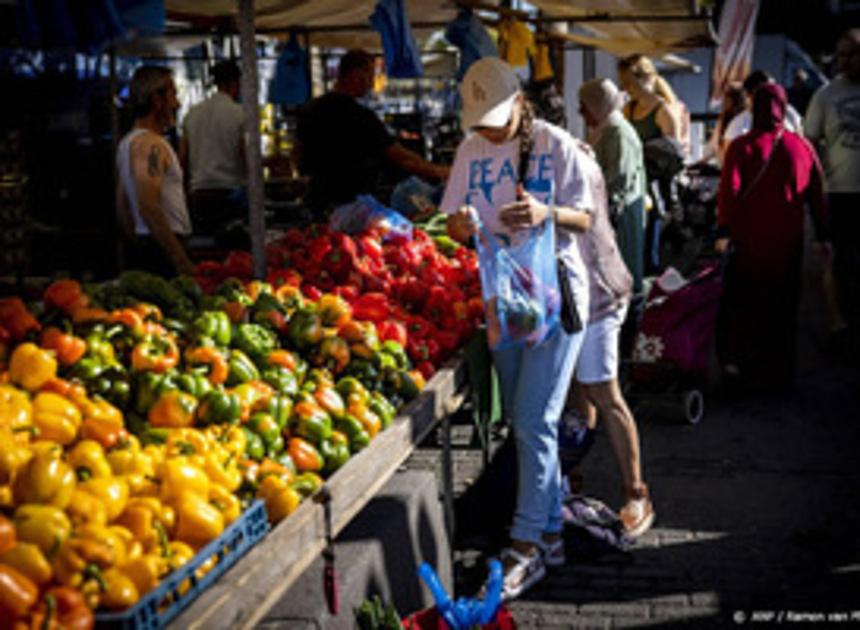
x=159, y=606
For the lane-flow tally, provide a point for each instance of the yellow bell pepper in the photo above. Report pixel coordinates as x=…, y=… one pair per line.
x=112, y=491
x=7, y=501
x=88, y=459
x=46, y=526
x=180, y=477
x=15, y=409
x=186, y=441
x=13, y=455
x=179, y=554
x=56, y=418
x=226, y=502
x=281, y=499
x=143, y=516
x=46, y=478
x=231, y=438
x=86, y=508
x=28, y=560
x=31, y=367
x=144, y=572
x=114, y=538
x=197, y=521
x=156, y=453
x=100, y=409
x=222, y=469
x=119, y=590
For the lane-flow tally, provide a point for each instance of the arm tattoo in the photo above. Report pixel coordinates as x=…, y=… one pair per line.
x=154, y=160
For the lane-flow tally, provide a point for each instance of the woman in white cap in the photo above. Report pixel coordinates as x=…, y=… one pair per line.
x=486, y=179
x=619, y=153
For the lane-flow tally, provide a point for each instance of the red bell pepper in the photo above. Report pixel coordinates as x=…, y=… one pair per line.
x=239, y=265
x=419, y=328
x=427, y=369
x=448, y=341
x=391, y=330
x=318, y=248
x=371, y=307
x=438, y=304
x=423, y=350
x=283, y=277
x=292, y=238
x=311, y=291
x=348, y=292
x=371, y=247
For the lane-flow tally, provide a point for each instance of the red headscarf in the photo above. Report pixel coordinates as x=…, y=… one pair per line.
x=769, y=104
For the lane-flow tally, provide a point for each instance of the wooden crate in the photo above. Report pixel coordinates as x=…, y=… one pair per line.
x=243, y=595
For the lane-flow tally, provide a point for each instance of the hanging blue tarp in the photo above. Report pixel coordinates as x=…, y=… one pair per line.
x=402, y=58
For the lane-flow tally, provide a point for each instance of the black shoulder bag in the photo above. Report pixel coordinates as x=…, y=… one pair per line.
x=570, y=321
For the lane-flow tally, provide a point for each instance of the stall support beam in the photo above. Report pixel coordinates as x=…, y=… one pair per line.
x=250, y=99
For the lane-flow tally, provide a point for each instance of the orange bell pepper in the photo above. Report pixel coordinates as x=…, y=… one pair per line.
x=283, y=358
x=218, y=366
x=235, y=311
x=106, y=432
x=17, y=593
x=63, y=294
x=68, y=348
x=304, y=455
x=16, y=318
x=173, y=410
x=7, y=534
x=62, y=608
x=156, y=354
x=147, y=311
x=129, y=318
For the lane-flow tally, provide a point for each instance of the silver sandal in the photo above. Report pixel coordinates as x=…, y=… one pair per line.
x=528, y=571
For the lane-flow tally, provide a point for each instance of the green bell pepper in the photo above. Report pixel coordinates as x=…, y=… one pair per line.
x=395, y=350
x=255, y=448
x=188, y=287
x=113, y=385
x=304, y=329
x=255, y=340
x=286, y=461
x=264, y=425
x=306, y=484
x=281, y=408
x=87, y=369
x=310, y=423
x=147, y=386
x=408, y=389
x=352, y=428
x=194, y=383
x=219, y=407
x=281, y=379
x=384, y=361
x=380, y=405
x=351, y=389
x=232, y=290
x=365, y=372
x=214, y=325
x=335, y=454
x=242, y=369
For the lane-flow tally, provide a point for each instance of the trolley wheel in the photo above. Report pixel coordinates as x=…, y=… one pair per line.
x=694, y=405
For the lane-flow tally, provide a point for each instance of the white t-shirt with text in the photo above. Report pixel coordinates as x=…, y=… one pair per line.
x=484, y=176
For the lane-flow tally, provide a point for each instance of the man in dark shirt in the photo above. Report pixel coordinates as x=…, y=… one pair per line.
x=343, y=145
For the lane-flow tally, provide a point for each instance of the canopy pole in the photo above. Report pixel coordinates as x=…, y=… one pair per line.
x=250, y=99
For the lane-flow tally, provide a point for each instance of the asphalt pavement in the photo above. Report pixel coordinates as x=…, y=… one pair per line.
x=758, y=511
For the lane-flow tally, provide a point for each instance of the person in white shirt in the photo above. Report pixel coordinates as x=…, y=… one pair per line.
x=151, y=207
x=833, y=124
x=212, y=151
x=742, y=123
x=522, y=176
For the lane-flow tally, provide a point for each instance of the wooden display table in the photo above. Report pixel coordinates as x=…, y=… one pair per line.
x=243, y=595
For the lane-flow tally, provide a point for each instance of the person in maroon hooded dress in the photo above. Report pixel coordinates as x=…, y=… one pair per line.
x=769, y=176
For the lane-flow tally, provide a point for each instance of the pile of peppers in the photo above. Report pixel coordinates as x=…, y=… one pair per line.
x=132, y=433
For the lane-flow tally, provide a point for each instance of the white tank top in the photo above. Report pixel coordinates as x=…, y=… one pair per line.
x=172, y=194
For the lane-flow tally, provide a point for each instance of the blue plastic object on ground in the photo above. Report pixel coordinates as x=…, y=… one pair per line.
x=465, y=613
x=159, y=606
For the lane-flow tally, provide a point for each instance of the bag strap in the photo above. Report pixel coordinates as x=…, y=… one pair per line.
x=764, y=168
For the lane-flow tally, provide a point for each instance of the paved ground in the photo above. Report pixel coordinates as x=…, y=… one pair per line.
x=758, y=513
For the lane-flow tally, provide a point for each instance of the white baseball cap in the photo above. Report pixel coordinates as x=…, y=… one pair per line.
x=488, y=90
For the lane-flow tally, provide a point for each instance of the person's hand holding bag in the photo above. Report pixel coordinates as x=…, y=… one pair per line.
x=525, y=212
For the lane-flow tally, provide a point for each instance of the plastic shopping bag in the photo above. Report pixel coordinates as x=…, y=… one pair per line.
x=365, y=213
x=519, y=284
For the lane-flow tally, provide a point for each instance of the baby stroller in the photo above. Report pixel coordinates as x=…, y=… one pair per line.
x=672, y=344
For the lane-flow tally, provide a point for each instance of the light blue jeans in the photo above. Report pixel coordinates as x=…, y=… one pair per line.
x=534, y=383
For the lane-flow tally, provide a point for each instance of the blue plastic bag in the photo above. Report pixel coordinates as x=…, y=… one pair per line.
x=365, y=213
x=519, y=284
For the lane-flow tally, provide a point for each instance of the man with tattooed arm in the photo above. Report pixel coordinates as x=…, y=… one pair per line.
x=151, y=203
